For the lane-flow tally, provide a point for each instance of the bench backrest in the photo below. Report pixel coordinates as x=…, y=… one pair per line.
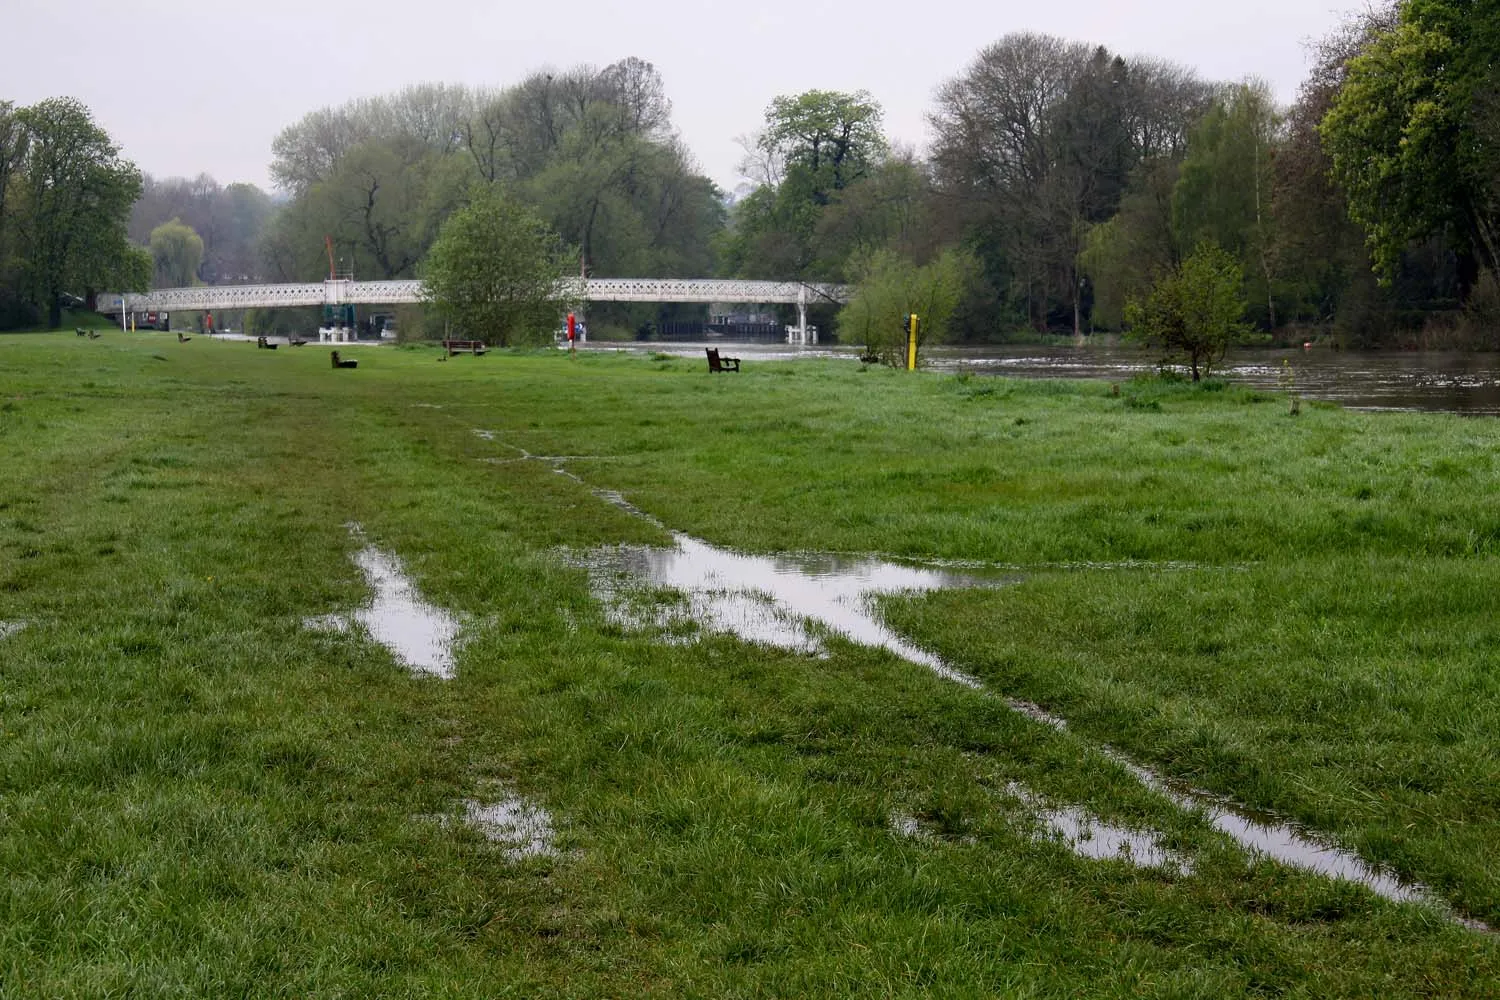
x=714, y=365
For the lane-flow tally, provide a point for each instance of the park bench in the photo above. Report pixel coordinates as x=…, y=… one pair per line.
x=80, y=331
x=474, y=347
x=339, y=362
x=718, y=364
x=296, y=341
x=266, y=344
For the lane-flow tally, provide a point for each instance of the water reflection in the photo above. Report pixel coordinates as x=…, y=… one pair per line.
x=1088, y=836
x=420, y=635
x=772, y=599
x=523, y=828
x=1437, y=381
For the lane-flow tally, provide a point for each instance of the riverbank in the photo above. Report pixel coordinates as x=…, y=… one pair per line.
x=218, y=781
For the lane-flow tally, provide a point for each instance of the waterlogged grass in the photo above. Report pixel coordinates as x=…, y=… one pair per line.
x=201, y=797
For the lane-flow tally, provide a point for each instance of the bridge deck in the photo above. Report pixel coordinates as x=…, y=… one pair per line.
x=225, y=297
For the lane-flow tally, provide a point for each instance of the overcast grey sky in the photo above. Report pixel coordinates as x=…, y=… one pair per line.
x=188, y=87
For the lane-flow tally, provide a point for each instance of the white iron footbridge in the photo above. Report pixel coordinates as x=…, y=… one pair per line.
x=211, y=298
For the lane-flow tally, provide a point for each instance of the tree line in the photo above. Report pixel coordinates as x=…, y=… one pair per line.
x=1065, y=185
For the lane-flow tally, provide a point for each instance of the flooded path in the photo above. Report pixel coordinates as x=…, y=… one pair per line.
x=790, y=602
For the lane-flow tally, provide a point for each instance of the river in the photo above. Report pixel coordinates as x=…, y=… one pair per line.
x=1449, y=382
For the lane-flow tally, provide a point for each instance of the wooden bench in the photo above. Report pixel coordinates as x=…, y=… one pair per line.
x=474, y=347
x=266, y=344
x=718, y=364
x=339, y=362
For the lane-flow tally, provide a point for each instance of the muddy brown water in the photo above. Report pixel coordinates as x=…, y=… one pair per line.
x=1438, y=381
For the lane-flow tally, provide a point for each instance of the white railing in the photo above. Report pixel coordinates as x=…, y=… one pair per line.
x=209, y=298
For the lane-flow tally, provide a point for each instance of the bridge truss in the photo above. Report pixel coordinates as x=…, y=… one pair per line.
x=210, y=298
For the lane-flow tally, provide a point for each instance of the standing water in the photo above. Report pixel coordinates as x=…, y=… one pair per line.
x=773, y=600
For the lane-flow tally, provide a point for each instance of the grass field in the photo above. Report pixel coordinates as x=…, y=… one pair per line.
x=201, y=796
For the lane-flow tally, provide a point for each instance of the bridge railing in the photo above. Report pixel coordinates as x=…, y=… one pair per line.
x=209, y=298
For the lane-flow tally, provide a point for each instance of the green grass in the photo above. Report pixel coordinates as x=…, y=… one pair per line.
x=201, y=797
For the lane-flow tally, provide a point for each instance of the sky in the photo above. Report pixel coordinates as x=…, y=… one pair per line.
x=194, y=87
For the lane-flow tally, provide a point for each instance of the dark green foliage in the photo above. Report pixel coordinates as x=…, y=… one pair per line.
x=495, y=273
x=65, y=198
x=1193, y=311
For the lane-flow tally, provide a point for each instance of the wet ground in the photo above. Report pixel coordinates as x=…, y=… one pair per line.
x=522, y=828
x=420, y=635
x=794, y=602
x=1374, y=380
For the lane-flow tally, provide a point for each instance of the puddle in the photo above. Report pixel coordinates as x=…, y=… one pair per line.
x=420, y=635
x=1090, y=837
x=8, y=629
x=769, y=600
x=522, y=828
x=911, y=827
x=908, y=826
x=772, y=600
x=1273, y=837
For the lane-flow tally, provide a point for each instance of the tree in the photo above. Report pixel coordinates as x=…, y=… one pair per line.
x=1194, y=310
x=1223, y=194
x=177, y=253
x=1406, y=134
x=1037, y=141
x=74, y=203
x=832, y=138
x=496, y=272
x=1325, y=266
x=890, y=287
x=815, y=150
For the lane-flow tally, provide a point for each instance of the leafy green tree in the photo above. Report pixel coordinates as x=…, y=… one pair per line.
x=815, y=149
x=1407, y=139
x=831, y=139
x=1122, y=256
x=176, y=253
x=890, y=287
x=74, y=200
x=1194, y=310
x=1223, y=193
x=495, y=272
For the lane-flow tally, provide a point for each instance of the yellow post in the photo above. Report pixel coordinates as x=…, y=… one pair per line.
x=911, y=342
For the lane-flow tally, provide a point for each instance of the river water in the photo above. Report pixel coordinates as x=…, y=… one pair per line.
x=1370, y=380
